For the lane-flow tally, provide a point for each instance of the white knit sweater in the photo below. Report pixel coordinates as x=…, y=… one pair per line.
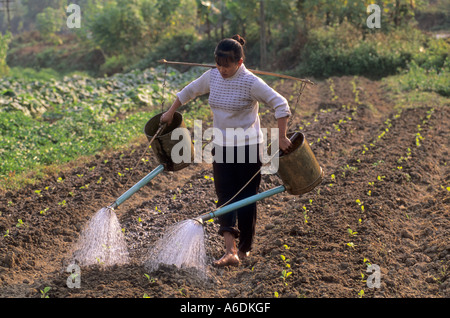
x=235, y=104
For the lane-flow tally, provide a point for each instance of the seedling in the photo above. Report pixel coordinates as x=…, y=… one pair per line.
x=366, y=261
x=150, y=279
x=44, y=293
x=286, y=261
x=285, y=274
x=43, y=212
x=20, y=223
x=351, y=232
x=351, y=244
x=305, y=214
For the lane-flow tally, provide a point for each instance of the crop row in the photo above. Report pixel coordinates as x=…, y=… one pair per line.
x=51, y=122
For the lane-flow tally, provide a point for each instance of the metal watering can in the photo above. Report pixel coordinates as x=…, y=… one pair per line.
x=160, y=138
x=299, y=171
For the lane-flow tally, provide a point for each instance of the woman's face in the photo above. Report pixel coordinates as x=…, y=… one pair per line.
x=229, y=69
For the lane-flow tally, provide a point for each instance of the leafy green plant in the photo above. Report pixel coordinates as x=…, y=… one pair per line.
x=351, y=233
x=44, y=293
x=57, y=120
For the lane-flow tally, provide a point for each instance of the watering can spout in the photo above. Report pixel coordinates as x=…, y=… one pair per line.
x=239, y=204
x=137, y=186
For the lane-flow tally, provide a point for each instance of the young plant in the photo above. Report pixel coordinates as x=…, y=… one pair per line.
x=285, y=273
x=44, y=293
x=351, y=233
x=43, y=212
x=305, y=214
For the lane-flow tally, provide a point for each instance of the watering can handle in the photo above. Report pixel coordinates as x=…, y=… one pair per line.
x=158, y=132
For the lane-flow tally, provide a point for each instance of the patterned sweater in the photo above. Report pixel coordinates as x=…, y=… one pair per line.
x=234, y=102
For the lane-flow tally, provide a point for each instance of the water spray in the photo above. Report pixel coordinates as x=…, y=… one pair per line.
x=102, y=241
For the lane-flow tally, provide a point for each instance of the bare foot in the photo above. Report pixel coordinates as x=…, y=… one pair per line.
x=227, y=260
x=243, y=255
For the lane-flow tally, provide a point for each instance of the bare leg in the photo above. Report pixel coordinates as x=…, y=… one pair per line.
x=231, y=257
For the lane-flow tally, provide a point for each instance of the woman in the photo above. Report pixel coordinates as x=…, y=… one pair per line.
x=234, y=94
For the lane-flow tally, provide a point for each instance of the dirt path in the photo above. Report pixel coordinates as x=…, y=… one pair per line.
x=383, y=202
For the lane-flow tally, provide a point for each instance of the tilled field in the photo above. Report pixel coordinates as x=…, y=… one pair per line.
x=384, y=201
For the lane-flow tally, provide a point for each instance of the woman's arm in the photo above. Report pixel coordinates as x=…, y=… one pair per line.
x=284, y=142
x=196, y=88
x=267, y=95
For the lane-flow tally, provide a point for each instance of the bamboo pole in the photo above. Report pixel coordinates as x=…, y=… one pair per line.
x=253, y=71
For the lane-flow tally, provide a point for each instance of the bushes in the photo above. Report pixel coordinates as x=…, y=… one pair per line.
x=428, y=80
x=184, y=46
x=346, y=50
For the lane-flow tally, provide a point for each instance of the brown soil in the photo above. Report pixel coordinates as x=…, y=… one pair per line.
x=404, y=227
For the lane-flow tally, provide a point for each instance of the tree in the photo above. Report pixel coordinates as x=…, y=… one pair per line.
x=50, y=21
x=4, y=45
x=120, y=27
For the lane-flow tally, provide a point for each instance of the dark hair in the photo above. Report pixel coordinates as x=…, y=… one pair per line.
x=230, y=50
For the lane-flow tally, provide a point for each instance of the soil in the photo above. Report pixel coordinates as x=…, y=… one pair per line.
x=325, y=238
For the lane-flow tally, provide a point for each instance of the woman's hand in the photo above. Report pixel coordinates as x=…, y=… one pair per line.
x=285, y=144
x=166, y=118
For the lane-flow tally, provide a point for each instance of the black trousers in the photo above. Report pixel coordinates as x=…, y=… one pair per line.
x=233, y=167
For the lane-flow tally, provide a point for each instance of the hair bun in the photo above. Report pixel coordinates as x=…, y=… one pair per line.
x=239, y=38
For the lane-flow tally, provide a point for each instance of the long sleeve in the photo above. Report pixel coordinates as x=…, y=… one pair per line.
x=198, y=87
x=263, y=93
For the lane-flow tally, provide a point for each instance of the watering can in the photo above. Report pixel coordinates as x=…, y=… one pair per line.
x=299, y=171
x=160, y=138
